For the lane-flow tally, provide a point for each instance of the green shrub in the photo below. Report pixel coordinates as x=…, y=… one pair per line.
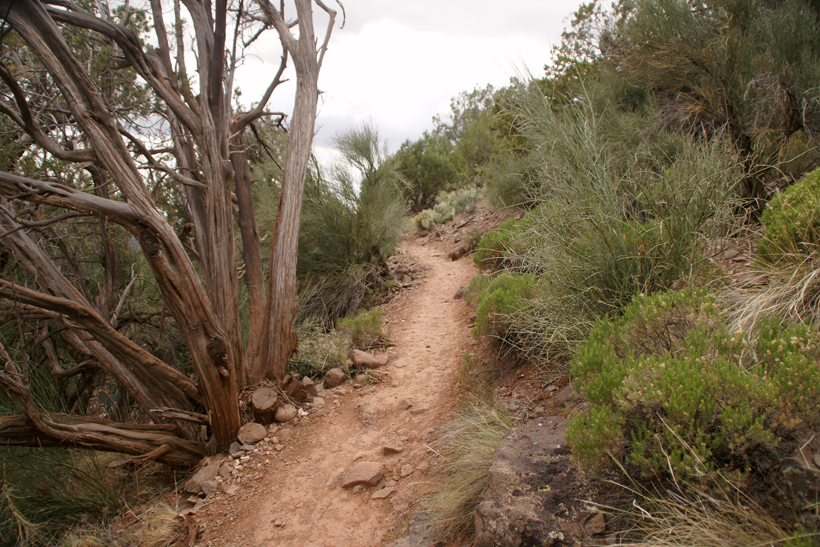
x=499, y=297
x=490, y=251
x=792, y=221
x=364, y=329
x=669, y=387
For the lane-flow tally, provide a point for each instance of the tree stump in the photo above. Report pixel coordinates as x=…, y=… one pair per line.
x=264, y=402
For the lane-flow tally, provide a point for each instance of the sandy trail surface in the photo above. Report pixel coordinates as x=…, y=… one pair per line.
x=293, y=496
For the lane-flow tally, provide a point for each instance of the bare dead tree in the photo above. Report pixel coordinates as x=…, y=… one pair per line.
x=54, y=108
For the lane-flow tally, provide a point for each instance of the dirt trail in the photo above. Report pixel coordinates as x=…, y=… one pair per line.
x=293, y=497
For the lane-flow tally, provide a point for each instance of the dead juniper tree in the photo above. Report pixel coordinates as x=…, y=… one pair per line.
x=105, y=131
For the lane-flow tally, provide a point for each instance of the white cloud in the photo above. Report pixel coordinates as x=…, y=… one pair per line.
x=398, y=63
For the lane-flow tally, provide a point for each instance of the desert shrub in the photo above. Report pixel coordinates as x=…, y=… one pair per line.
x=670, y=388
x=364, y=329
x=327, y=296
x=792, y=221
x=505, y=247
x=319, y=350
x=490, y=251
x=510, y=181
x=497, y=298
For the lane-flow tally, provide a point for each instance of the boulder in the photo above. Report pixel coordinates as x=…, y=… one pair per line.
x=533, y=490
x=285, y=413
x=366, y=473
x=334, y=377
x=251, y=433
x=363, y=359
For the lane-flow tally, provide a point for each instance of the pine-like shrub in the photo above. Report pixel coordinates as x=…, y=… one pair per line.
x=670, y=388
x=792, y=221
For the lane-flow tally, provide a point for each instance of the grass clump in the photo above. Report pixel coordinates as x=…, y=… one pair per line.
x=467, y=448
x=713, y=513
x=319, y=351
x=47, y=491
x=364, y=330
x=792, y=221
x=671, y=390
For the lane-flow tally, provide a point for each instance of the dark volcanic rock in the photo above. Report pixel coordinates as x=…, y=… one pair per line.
x=533, y=491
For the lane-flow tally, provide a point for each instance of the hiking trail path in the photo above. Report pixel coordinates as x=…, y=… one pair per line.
x=293, y=497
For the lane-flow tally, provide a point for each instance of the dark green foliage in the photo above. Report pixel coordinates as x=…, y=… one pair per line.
x=351, y=222
x=670, y=388
x=792, y=222
x=427, y=168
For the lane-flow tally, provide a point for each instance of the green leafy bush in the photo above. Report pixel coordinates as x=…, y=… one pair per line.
x=670, y=388
x=499, y=297
x=364, y=329
x=792, y=221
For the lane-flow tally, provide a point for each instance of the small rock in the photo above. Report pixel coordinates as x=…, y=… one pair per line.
x=278, y=447
x=366, y=473
x=460, y=293
x=406, y=470
x=225, y=470
x=392, y=447
x=310, y=386
x=405, y=404
x=206, y=473
x=272, y=429
x=251, y=433
x=235, y=449
x=382, y=493
x=363, y=359
x=399, y=363
x=360, y=379
x=334, y=377
x=596, y=524
x=318, y=402
x=565, y=395
x=423, y=466
x=285, y=413
x=209, y=488
x=248, y=447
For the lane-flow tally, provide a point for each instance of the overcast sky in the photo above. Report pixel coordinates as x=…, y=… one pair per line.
x=398, y=63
